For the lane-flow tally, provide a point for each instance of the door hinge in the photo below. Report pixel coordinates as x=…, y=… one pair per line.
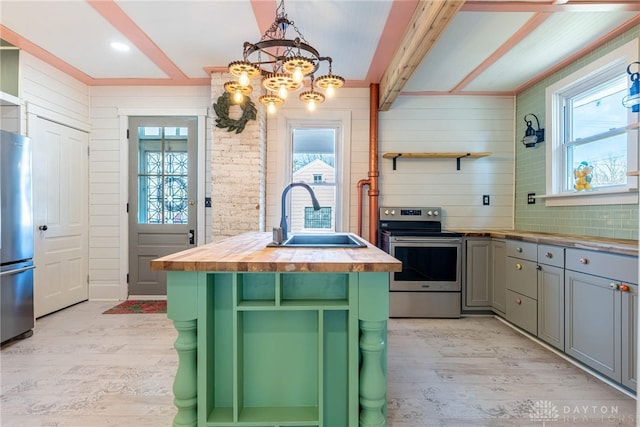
x=127, y=207
x=127, y=277
x=127, y=133
x=88, y=151
x=87, y=279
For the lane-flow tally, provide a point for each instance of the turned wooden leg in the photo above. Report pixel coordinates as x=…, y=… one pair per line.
x=373, y=383
x=185, y=384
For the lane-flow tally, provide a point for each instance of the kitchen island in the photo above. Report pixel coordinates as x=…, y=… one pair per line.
x=279, y=336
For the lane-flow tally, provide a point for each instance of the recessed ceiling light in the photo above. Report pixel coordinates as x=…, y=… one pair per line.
x=121, y=47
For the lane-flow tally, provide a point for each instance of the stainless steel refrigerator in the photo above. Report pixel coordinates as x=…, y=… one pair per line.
x=16, y=237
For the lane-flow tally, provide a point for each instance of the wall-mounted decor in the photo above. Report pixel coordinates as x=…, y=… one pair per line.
x=221, y=107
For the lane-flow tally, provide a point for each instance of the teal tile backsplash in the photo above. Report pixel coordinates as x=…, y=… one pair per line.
x=616, y=221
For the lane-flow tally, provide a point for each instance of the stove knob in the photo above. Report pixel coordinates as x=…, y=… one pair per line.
x=386, y=211
x=393, y=212
x=436, y=213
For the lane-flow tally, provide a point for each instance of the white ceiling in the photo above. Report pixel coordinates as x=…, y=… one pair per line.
x=489, y=47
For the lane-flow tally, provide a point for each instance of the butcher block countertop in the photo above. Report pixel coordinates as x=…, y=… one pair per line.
x=248, y=252
x=601, y=244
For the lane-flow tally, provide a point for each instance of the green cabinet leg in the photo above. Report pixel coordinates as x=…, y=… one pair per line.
x=373, y=382
x=184, y=385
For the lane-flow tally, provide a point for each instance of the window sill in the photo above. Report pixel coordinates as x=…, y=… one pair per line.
x=617, y=197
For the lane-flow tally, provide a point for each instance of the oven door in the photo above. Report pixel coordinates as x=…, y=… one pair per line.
x=428, y=263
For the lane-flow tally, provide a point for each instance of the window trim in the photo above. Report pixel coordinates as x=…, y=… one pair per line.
x=554, y=93
x=340, y=119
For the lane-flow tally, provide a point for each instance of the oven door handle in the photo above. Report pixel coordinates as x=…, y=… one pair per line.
x=428, y=239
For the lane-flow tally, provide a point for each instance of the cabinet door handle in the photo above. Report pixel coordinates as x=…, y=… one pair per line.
x=614, y=286
x=584, y=261
x=548, y=255
x=624, y=288
x=518, y=266
x=519, y=250
x=518, y=301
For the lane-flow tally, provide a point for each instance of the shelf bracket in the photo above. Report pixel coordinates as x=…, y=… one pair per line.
x=394, y=160
x=458, y=160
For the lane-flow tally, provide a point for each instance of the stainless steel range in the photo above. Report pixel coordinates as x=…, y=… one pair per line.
x=429, y=284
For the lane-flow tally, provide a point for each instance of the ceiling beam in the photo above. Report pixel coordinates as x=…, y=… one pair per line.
x=427, y=24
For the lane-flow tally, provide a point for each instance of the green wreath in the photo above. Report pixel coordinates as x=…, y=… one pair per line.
x=221, y=107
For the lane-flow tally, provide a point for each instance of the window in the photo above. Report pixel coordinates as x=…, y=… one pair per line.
x=317, y=178
x=591, y=147
x=317, y=219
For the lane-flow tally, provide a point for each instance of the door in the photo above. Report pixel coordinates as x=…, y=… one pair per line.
x=162, y=196
x=551, y=305
x=61, y=220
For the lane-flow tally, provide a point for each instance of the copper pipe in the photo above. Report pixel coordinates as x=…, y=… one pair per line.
x=373, y=162
x=361, y=184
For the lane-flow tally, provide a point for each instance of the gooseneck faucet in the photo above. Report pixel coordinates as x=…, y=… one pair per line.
x=283, y=210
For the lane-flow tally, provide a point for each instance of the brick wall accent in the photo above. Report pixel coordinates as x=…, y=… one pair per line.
x=238, y=168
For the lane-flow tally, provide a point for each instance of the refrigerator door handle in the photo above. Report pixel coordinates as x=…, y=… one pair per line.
x=16, y=271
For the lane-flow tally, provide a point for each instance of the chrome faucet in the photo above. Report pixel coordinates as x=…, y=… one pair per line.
x=280, y=234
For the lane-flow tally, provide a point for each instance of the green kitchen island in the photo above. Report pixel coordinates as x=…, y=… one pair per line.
x=276, y=337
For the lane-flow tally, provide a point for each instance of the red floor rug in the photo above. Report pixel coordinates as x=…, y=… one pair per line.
x=138, y=306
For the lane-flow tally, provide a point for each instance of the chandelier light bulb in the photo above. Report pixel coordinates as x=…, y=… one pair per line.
x=271, y=108
x=331, y=91
x=311, y=105
x=243, y=79
x=297, y=75
x=282, y=92
x=237, y=97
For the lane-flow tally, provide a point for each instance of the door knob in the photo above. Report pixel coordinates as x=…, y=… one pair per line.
x=43, y=228
x=518, y=266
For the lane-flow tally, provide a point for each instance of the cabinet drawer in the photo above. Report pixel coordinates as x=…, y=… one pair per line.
x=551, y=255
x=522, y=277
x=524, y=250
x=522, y=311
x=612, y=266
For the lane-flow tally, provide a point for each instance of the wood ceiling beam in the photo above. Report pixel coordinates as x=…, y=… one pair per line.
x=427, y=24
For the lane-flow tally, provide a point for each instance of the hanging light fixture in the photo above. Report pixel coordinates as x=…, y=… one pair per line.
x=633, y=99
x=284, y=64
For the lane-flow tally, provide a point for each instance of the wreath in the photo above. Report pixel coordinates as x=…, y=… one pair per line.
x=221, y=107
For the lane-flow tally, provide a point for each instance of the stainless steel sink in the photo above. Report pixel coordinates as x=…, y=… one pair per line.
x=334, y=240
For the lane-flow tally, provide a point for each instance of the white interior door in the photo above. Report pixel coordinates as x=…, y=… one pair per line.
x=60, y=207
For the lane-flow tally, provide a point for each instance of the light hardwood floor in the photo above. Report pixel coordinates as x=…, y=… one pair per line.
x=85, y=369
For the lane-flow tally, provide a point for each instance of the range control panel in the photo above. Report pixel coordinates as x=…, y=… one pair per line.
x=410, y=214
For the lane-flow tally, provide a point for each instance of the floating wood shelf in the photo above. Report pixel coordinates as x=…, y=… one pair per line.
x=633, y=173
x=435, y=155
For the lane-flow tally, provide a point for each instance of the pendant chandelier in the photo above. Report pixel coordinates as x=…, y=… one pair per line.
x=285, y=64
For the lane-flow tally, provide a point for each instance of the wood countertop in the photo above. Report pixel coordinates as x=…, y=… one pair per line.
x=249, y=252
x=601, y=244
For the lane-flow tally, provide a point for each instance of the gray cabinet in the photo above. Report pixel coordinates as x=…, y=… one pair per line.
x=498, y=290
x=477, y=289
x=522, y=285
x=601, y=311
x=551, y=295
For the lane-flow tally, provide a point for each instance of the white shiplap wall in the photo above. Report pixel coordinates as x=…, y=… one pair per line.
x=107, y=167
x=443, y=124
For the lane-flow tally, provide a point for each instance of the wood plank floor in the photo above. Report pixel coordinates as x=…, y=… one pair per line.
x=85, y=369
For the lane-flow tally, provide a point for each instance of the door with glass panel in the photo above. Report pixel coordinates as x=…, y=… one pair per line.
x=162, y=196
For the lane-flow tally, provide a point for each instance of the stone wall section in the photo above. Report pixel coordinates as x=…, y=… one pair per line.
x=238, y=167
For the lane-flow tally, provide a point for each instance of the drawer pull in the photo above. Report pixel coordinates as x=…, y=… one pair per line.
x=518, y=266
x=584, y=261
x=519, y=250
x=624, y=288
x=518, y=301
x=548, y=255
x=614, y=286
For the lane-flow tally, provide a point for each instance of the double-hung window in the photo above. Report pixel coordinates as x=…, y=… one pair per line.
x=592, y=139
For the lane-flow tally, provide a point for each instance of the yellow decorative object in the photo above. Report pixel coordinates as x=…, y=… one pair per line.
x=582, y=175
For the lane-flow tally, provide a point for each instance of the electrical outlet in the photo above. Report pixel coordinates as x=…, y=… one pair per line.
x=485, y=200
x=531, y=198
x=207, y=202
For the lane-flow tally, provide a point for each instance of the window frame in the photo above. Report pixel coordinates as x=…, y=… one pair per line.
x=591, y=75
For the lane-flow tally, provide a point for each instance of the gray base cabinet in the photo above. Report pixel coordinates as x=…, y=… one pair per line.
x=551, y=295
x=522, y=285
x=499, y=283
x=477, y=295
x=601, y=305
